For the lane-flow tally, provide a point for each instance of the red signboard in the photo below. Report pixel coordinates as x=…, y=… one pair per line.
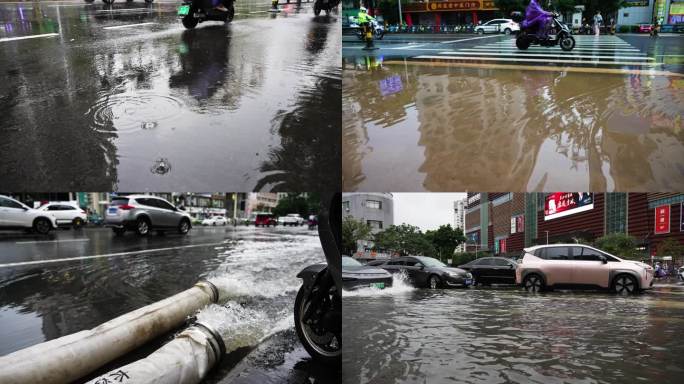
x=451, y=5
x=662, y=219
x=559, y=204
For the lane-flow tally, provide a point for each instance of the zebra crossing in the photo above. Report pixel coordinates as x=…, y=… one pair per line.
x=589, y=51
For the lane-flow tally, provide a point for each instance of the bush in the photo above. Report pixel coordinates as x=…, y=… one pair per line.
x=624, y=29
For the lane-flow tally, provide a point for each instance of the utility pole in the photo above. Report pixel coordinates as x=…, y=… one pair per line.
x=400, y=19
x=547, y=237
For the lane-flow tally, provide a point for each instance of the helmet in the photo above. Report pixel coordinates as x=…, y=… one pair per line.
x=363, y=9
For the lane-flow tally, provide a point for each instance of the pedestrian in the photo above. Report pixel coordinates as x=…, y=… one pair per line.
x=598, y=20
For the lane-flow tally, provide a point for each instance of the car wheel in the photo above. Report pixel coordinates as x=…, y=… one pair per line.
x=214, y=224
x=507, y=31
x=480, y=31
x=142, y=227
x=533, y=283
x=434, y=282
x=119, y=231
x=184, y=227
x=77, y=223
x=625, y=285
x=42, y=226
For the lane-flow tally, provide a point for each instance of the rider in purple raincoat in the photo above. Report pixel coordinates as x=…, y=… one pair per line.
x=536, y=17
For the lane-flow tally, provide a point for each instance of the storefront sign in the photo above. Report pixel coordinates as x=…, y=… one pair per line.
x=660, y=10
x=559, y=204
x=517, y=224
x=453, y=5
x=643, y=3
x=662, y=219
x=500, y=246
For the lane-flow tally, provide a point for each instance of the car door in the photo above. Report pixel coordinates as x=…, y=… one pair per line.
x=481, y=269
x=12, y=214
x=150, y=207
x=393, y=266
x=503, y=271
x=492, y=26
x=167, y=212
x=415, y=271
x=56, y=211
x=558, y=266
x=589, y=268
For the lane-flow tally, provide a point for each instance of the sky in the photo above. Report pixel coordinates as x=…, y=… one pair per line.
x=425, y=210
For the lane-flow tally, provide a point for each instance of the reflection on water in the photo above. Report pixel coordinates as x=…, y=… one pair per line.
x=507, y=336
x=446, y=128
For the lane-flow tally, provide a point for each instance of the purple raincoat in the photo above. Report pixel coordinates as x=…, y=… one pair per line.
x=536, y=17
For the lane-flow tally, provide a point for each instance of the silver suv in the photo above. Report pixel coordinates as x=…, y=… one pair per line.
x=143, y=213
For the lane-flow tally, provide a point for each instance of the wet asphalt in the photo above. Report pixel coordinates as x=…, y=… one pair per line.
x=124, y=97
x=501, y=334
x=456, y=112
x=74, y=280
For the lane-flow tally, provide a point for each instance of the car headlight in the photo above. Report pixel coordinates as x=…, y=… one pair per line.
x=469, y=275
x=454, y=274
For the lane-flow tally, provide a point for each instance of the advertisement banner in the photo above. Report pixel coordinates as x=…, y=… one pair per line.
x=520, y=223
x=662, y=219
x=560, y=204
x=513, y=225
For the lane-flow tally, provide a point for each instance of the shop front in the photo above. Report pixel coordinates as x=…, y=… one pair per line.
x=449, y=12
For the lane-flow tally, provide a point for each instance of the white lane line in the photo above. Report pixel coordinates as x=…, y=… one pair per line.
x=410, y=46
x=128, y=25
x=52, y=261
x=479, y=58
x=27, y=37
x=634, y=50
x=50, y=241
x=546, y=55
x=472, y=38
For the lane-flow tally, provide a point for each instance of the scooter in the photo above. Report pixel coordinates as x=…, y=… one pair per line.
x=318, y=306
x=193, y=12
x=324, y=5
x=378, y=30
x=559, y=34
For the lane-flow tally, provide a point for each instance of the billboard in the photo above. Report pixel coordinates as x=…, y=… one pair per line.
x=517, y=224
x=662, y=219
x=560, y=204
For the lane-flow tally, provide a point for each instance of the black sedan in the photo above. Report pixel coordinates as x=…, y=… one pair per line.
x=356, y=275
x=492, y=270
x=428, y=272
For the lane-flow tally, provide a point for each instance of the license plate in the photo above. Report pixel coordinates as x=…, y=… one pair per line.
x=183, y=10
x=378, y=285
x=112, y=211
x=469, y=281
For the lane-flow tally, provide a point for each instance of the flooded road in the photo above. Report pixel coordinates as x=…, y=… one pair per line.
x=123, y=97
x=503, y=335
x=449, y=115
x=106, y=276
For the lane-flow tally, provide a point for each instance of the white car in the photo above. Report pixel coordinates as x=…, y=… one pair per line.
x=67, y=214
x=216, y=220
x=16, y=215
x=681, y=273
x=291, y=219
x=506, y=26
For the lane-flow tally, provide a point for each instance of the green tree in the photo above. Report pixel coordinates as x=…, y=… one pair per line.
x=404, y=239
x=353, y=230
x=619, y=244
x=508, y=6
x=670, y=247
x=390, y=11
x=297, y=203
x=445, y=240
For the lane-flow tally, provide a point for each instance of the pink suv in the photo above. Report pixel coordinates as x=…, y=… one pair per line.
x=580, y=266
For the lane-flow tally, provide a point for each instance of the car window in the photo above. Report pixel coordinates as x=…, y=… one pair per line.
x=587, y=254
x=7, y=203
x=144, y=201
x=349, y=262
x=163, y=204
x=484, y=261
x=500, y=262
x=67, y=207
x=413, y=263
x=119, y=201
x=556, y=253
x=396, y=262
x=53, y=208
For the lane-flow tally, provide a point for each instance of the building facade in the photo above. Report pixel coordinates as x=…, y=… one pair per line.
x=505, y=223
x=648, y=11
x=374, y=209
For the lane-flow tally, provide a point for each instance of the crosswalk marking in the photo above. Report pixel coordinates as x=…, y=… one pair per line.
x=589, y=52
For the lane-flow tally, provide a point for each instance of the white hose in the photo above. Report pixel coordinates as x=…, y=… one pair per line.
x=74, y=356
x=184, y=360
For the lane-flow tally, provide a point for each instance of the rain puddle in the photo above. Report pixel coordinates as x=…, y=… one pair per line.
x=515, y=130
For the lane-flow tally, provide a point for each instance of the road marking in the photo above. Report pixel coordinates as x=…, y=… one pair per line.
x=409, y=46
x=595, y=62
x=128, y=25
x=521, y=54
x=28, y=37
x=52, y=261
x=614, y=71
x=50, y=241
x=547, y=49
x=472, y=38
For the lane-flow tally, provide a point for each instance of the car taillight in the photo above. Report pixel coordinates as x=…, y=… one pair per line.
x=126, y=207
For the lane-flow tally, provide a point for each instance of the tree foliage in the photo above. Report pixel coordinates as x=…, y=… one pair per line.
x=619, y=244
x=405, y=240
x=670, y=247
x=445, y=240
x=508, y=6
x=353, y=230
x=298, y=203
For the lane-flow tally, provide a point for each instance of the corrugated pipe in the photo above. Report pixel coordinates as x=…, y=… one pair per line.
x=74, y=356
x=184, y=360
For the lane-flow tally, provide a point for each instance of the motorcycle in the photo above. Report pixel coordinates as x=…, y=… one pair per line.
x=318, y=306
x=324, y=5
x=378, y=30
x=193, y=12
x=559, y=34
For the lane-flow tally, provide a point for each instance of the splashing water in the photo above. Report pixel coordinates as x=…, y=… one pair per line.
x=400, y=285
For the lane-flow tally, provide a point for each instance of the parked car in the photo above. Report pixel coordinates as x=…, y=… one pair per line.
x=506, y=26
x=265, y=220
x=143, y=213
x=292, y=219
x=491, y=270
x=356, y=275
x=215, y=220
x=67, y=214
x=680, y=273
x=645, y=28
x=580, y=266
x=427, y=272
x=16, y=215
